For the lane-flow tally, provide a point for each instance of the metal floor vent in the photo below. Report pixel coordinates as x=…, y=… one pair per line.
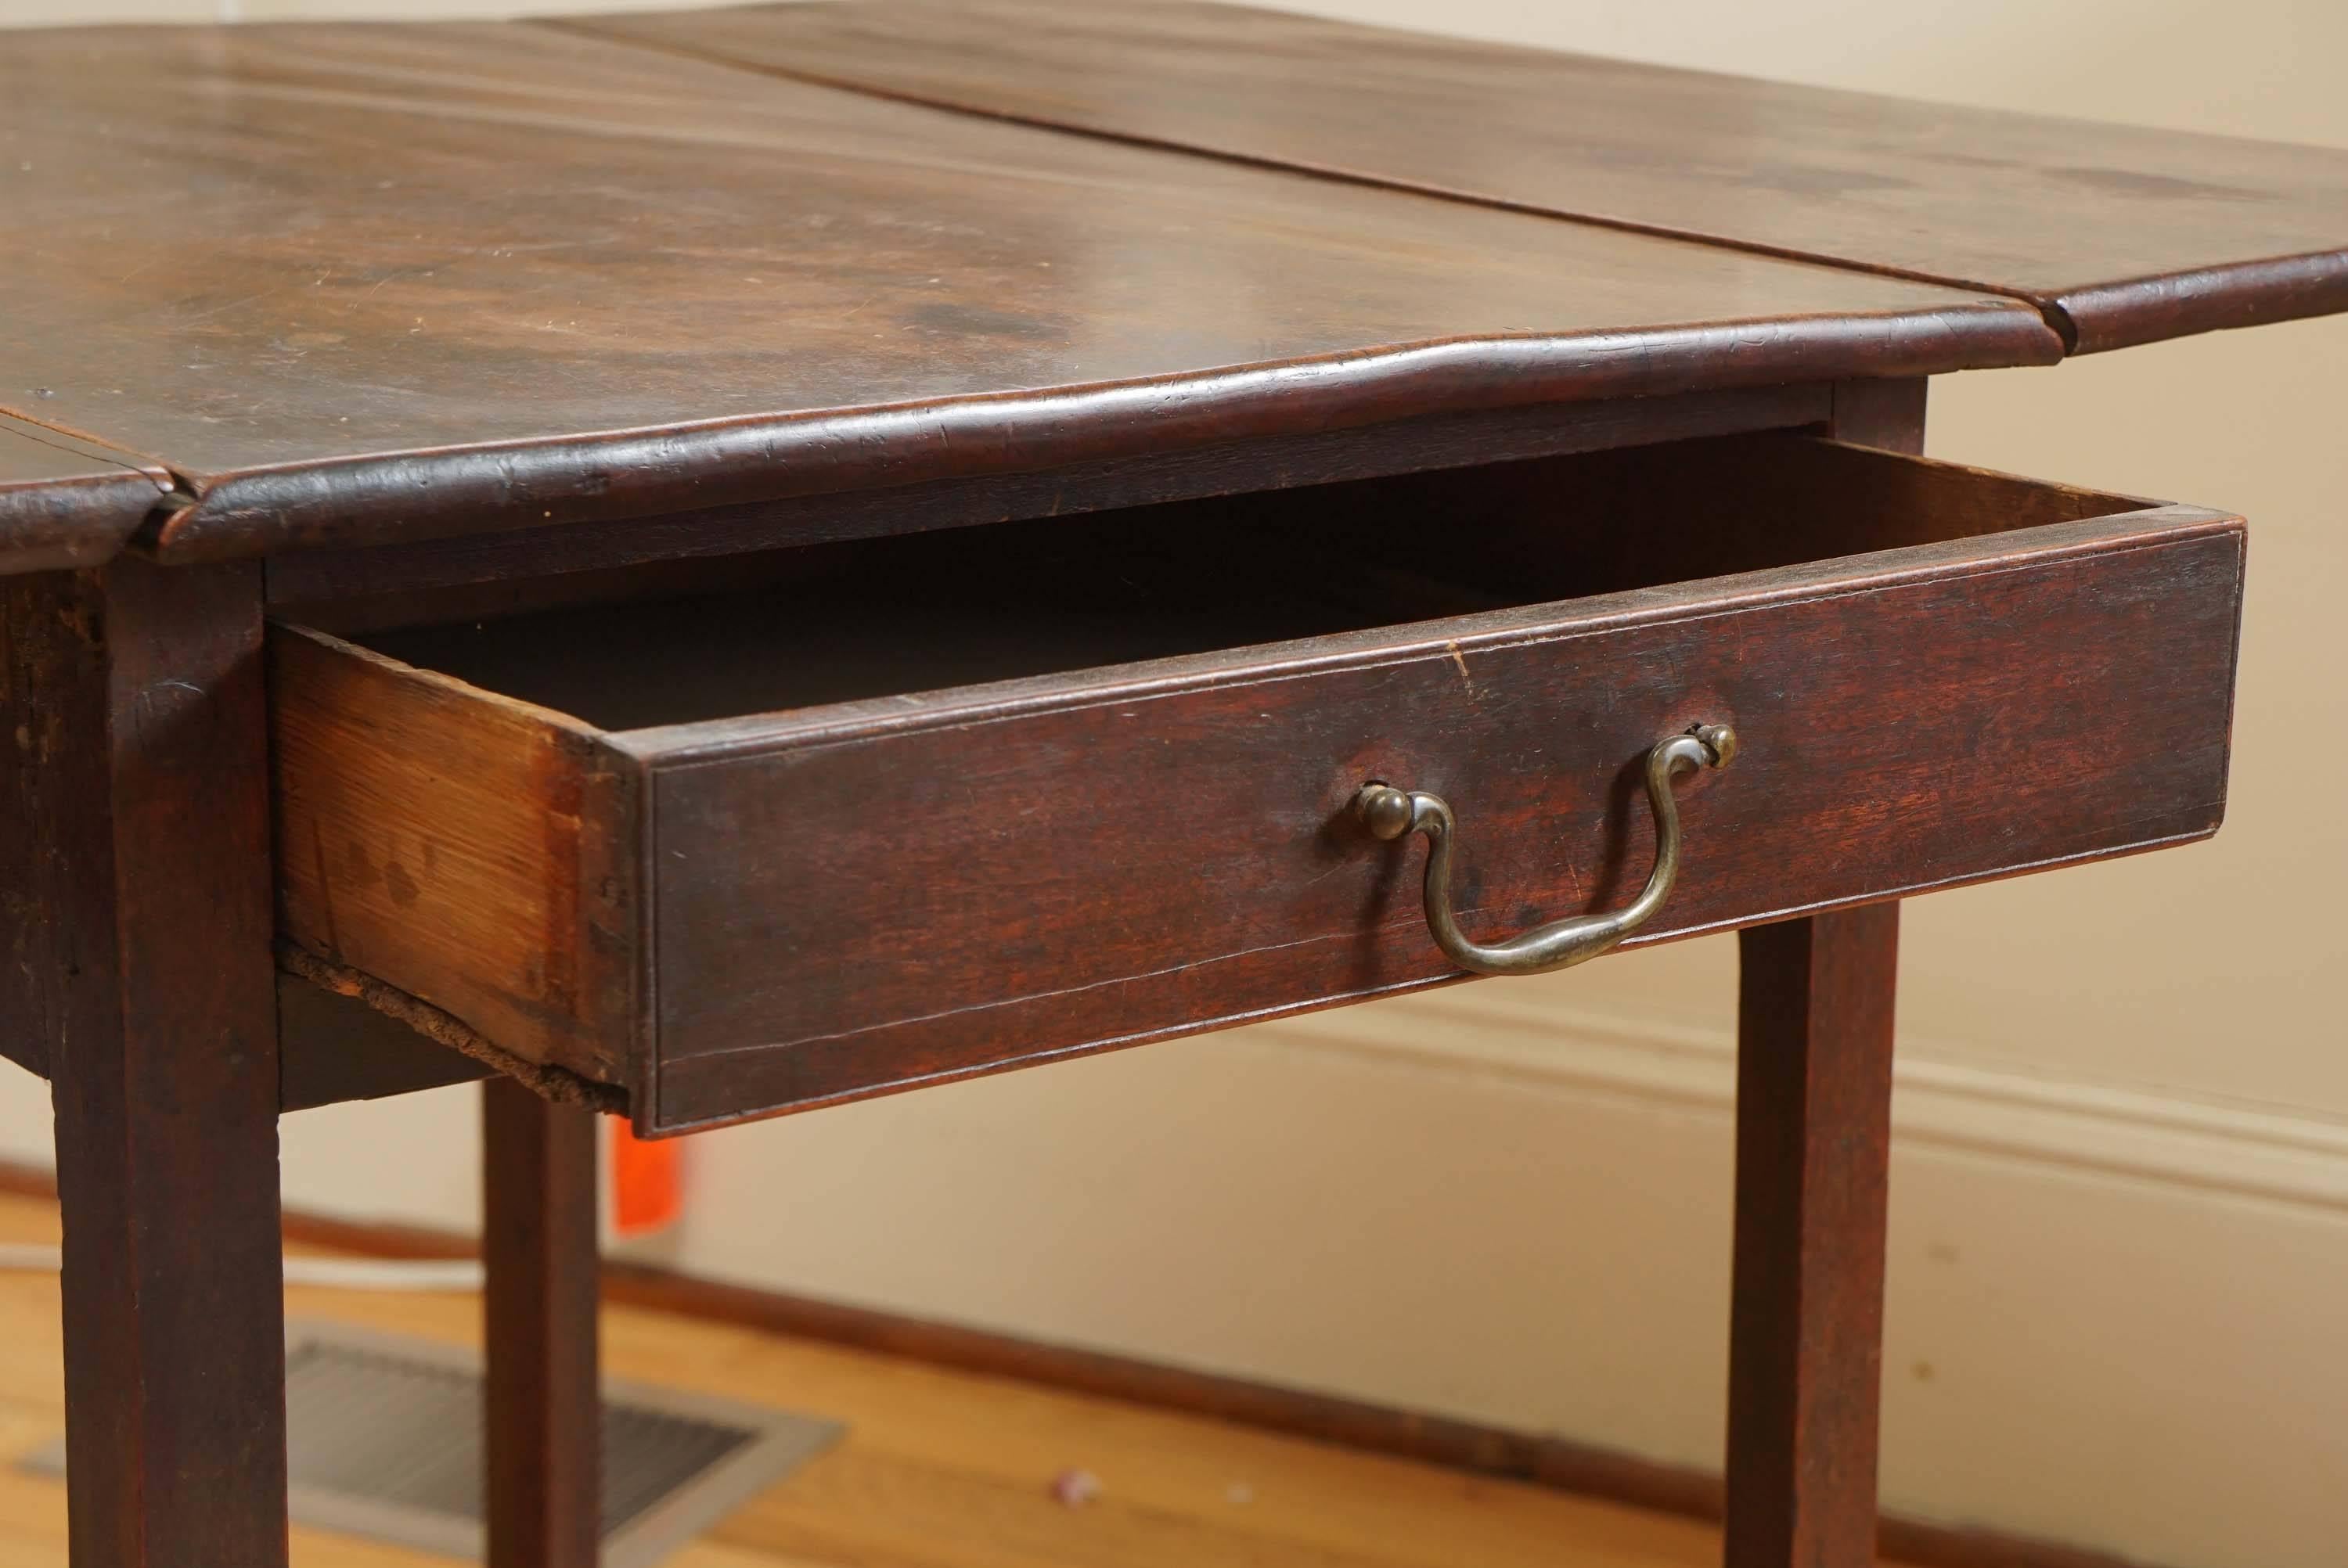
x=384, y=1433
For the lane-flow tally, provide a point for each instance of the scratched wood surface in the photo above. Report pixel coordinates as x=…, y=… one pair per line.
x=359, y=283
x=2122, y=234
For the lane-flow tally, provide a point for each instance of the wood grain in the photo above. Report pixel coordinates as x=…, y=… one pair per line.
x=454, y=844
x=1168, y=1439
x=1815, y=1006
x=1143, y=856
x=137, y=847
x=411, y=323
x=2121, y=234
x=542, y=1421
x=994, y=1441
x=1813, y=1157
x=879, y=876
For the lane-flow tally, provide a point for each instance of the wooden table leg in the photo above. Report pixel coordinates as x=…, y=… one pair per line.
x=1813, y=1142
x=545, y=1404
x=136, y=839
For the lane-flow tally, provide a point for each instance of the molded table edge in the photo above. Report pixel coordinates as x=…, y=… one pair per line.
x=372, y=499
x=68, y=502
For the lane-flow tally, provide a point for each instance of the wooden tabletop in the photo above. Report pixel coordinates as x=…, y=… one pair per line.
x=343, y=284
x=2120, y=234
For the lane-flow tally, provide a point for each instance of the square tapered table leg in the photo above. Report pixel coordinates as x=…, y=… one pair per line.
x=545, y=1415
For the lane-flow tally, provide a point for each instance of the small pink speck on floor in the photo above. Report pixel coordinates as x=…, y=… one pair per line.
x=1076, y=1488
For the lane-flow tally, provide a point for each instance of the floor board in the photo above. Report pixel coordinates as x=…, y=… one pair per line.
x=940, y=1469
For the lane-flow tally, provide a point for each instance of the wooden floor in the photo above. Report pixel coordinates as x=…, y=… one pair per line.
x=940, y=1468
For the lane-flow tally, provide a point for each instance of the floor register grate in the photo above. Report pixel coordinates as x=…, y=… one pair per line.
x=384, y=1435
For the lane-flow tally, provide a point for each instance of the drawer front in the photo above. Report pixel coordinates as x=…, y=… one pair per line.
x=891, y=894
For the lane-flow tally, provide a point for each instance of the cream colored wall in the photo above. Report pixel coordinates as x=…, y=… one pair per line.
x=2143, y=972
x=2120, y=1218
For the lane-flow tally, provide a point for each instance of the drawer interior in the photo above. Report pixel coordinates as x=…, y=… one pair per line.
x=921, y=612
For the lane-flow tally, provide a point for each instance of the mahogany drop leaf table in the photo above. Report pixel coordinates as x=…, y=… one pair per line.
x=712, y=564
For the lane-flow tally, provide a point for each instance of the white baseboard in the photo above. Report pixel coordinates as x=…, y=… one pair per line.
x=2128, y=1131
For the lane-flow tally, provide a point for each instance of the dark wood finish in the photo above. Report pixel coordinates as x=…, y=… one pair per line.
x=890, y=812
x=138, y=876
x=65, y=502
x=359, y=589
x=1543, y=1460
x=2121, y=234
x=1082, y=856
x=407, y=320
x=544, y=1417
x=1813, y=1168
x=1881, y=759
x=1813, y=1155
x=333, y=1048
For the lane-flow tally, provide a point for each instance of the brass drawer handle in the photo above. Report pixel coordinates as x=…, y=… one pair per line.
x=1390, y=812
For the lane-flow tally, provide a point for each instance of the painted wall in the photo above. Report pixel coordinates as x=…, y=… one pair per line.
x=2120, y=1221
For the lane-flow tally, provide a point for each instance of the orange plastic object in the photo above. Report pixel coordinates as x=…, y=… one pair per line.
x=647, y=1183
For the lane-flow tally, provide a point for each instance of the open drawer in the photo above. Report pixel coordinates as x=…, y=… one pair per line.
x=895, y=811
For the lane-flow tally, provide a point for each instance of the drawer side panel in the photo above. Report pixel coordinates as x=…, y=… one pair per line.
x=466, y=850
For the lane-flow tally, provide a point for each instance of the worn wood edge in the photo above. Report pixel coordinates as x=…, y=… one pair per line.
x=555, y=1084
x=73, y=521
x=71, y=524
x=2101, y=317
x=435, y=680
x=374, y=500
x=1554, y=1463
x=718, y=740
x=332, y=1050
x=336, y=577
x=567, y=821
x=85, y=515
